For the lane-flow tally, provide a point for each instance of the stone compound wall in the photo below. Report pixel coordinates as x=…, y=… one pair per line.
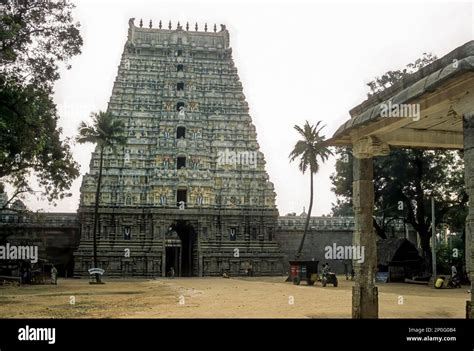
x=324, y=231
x=55, y=234
x=314, y=245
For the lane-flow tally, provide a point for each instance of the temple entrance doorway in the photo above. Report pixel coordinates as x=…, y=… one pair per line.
x=181, y=252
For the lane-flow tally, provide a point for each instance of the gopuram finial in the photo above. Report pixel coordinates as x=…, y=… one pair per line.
x=215, y=28
x=141, y=23
x=205, y=27
x=178, y=26
x=169, y=25
x=187, y=25
x=159, y=25
x=151, y=24
x=196, y=27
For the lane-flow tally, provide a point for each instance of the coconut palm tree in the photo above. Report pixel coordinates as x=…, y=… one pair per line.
x=105, y=131
x=311, y=148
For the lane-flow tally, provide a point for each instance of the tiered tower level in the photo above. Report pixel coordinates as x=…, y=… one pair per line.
x=189, y=190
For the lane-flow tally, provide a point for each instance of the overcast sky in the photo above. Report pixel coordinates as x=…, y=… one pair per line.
x=296, y=61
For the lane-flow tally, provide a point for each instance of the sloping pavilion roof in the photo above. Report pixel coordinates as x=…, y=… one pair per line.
x=396, y=250
x=444, y=91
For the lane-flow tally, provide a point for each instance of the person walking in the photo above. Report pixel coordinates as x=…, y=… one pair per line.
x=454, y=271
x=54, y=275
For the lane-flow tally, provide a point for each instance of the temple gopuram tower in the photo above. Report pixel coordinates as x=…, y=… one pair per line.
x=189, y=190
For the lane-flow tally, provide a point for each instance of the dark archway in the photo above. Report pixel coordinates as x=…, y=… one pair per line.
x=172, y=260
x=188, y=255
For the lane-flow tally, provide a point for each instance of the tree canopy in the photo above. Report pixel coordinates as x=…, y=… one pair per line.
x=35, y=38
x=310, y=150
x=106, y=130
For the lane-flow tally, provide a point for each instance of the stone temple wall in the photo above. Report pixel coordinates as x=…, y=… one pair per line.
x=323, y=231
x=56, y=235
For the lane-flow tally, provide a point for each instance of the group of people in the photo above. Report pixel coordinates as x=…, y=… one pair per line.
x=347, y=273
x=29, y=274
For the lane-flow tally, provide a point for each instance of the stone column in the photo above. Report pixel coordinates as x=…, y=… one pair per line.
x=364, y=293
x=162, y=236
x=468, y=130
x=198, y=242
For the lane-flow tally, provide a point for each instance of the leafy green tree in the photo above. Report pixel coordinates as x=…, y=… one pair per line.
x=450, y=253
x=404, y=183
x=105, y=131
x=308, y=150
x=389, y=78
x=342, y=182
x=35, y=37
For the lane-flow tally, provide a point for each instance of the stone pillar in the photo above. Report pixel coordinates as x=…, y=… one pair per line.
x=162, y=236
x=199, y=236
x=468, y=130
x=364, y=293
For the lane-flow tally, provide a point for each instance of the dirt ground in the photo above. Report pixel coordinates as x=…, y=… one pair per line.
x=268, y=297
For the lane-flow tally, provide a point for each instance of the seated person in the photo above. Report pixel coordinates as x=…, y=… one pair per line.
x=326, y=269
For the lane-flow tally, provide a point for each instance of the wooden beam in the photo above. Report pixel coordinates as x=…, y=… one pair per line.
x=424, y=139
x=384, y=125
x=448, y=92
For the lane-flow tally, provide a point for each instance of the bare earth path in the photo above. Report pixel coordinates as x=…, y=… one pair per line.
x=268, y=297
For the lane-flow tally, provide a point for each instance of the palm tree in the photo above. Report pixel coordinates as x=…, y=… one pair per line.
x=308, y=150
x=105, y=131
